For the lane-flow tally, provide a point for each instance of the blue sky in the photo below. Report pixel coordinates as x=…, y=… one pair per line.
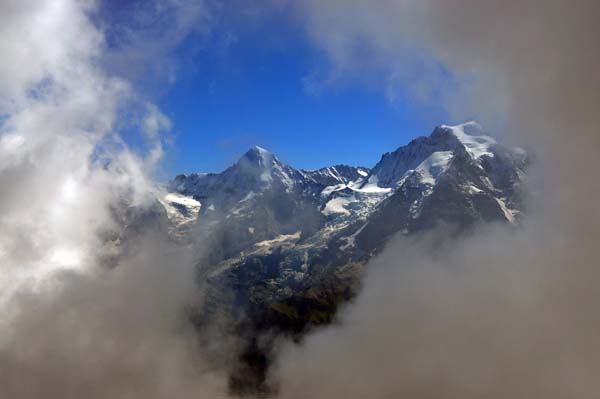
x=246, y=85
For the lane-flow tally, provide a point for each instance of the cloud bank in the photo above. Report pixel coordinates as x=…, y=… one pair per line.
x=88, y=309
x=501, y=314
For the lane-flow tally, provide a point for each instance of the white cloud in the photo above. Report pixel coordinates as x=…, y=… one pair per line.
x=70, y=326
x=500, y=313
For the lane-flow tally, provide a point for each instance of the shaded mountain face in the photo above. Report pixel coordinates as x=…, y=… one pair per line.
x=282, y=248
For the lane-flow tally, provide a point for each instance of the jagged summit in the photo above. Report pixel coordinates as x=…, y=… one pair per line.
x=472, y=128
x=472, y=137
x=257, y=163
x=432, y=154
x=257, y=148
x=462, y=159
x=258, y=170
x=258, y=156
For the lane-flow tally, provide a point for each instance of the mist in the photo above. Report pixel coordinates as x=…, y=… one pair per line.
x=90, y=307
x=502, y=313
x=89, y=310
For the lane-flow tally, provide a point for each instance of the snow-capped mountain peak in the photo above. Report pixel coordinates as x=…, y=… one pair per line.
x=425, y=154
x=459, y=161
x=260, y=162
x=472, y=136
x=258, y=156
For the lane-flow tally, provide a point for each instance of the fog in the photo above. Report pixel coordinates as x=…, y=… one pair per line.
x=503, y=313
x=88, y=308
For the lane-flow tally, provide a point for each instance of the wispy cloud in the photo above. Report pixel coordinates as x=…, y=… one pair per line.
x=499, y=314
x=72, y=326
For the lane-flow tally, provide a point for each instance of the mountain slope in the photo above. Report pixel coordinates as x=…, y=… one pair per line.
x=459, y=176
x=287, y=246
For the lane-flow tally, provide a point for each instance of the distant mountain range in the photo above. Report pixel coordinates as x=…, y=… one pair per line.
x=280, y=248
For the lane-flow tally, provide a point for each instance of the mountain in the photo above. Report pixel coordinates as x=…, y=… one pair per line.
x=457, y=175
x=256, y=199
x=280, y=248
x=256, y=172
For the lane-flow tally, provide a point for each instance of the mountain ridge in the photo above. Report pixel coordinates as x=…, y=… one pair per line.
x=282, y=248
x=424, y=159
x=307, y=224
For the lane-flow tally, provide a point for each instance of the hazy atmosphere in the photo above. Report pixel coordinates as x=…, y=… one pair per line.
x=299, y=199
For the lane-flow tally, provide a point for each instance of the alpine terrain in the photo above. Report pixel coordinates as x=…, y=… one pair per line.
x=279, y=249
